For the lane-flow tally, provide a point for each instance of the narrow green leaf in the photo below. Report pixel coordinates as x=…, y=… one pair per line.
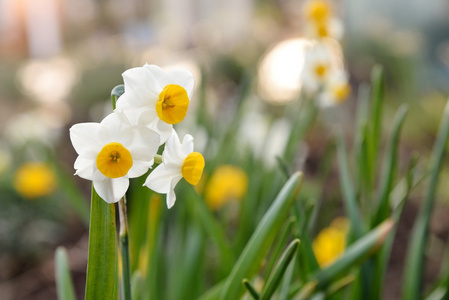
x=348, y=190
x=282, y=240
x=271, y=285
x=390, y=165
x=63, y=279
x=287, y=281
x=261, y=240
x=377, y=98
x=412, y=288
x=252, y=291
x=339, y=285
x=102, y=276
x=399, y=196
x=354, y=254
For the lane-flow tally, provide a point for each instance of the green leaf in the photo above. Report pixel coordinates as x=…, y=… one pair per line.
x=271, y=285
x=348, y=190
x=390, y=165
x=102, y=279
x=63, y=279
x=261, y=240
x=252, y=291
x=354, y=255
x=283, y=236
x=377, y=98
x=412, y=288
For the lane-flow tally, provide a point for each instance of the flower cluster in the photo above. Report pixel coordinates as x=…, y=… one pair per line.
x=124, y=144
x=323, y=72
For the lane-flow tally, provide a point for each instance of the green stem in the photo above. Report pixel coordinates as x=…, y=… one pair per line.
x=124, y=250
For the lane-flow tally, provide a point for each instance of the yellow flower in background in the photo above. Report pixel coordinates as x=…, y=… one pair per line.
x=330, y=243
x=34, y=179
x=227, y=183
x=317, y=10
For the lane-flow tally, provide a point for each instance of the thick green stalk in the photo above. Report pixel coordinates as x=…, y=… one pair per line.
x=101, y=282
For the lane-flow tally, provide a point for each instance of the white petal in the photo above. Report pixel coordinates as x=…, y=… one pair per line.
x=110, y=189
x=141, y=85
x=187, y=144
x=183, y=78
x=171, y=196
x=85, y=167
x=139, y=168
x=144, y=143
x=85, y=139
x=150, y=119
x=161, y=177
x=159, y=75
x=114, y=128
x=173, y=152
x=131, y=113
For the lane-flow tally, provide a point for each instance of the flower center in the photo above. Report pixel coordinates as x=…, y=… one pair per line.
x=341, y=92
x=318, y=10
x=172, y=104
x=322, y=30
x=192, y=168
x=114, y=160
x=320, y=70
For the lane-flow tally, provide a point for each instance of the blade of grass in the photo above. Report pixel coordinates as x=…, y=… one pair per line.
x=399, y=194
x=251, y=290
x=389, y=168
x=412, y=288
x=349, y=194
x=64, y=285
x=101, y=282
x=377, y=98
x=262, y=238
x=273, y=281
x=285, y=232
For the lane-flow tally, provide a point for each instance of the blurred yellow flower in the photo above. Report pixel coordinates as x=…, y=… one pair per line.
x=34, y=179
x=317, y=10
x=330, y=243
x=227, y=183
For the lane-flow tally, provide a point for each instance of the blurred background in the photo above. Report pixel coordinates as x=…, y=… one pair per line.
x=59, y=60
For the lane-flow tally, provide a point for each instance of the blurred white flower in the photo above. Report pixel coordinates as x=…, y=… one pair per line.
x=111, y=152
x=178, y=160
x=331, y=28
x=336, y=90
x=318, y=65
x=156, y=98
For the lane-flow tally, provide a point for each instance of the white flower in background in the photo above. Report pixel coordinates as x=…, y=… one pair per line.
x=111, y=152
x=178, y=160
x=156, y=98
x=318, y=65
x=332, y=28
x=336, y=90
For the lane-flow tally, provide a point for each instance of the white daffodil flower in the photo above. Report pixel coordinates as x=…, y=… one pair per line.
x=111, y=152
x=336, y=90
x=156, y=98
x=332, y=28
x=178, y=160
x=319, y=63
